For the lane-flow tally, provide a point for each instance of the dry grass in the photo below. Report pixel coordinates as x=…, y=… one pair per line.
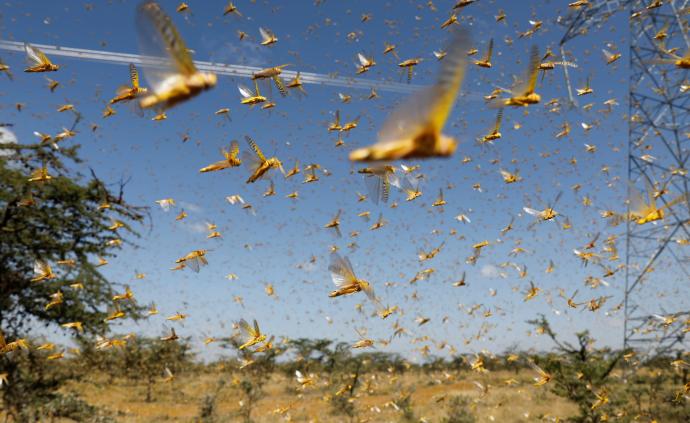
x=180, y=399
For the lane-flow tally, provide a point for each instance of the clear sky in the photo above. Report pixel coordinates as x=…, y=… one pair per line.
x=275, y=245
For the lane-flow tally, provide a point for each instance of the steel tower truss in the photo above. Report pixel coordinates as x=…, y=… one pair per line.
x=657, y=278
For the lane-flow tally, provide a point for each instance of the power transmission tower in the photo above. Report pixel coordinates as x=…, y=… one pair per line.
x=658, y=253
x=579, y=22
x=657, y=278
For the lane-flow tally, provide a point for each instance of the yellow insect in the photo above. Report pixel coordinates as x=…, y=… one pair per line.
x=389, y=48
x=74, y=325
x=345, y=280
x=304, y=381
x=194, y=260
x=644, y=211
x=525, y=95
x=453, y=19
x=267, y=37
x=380, y=223
x=501, y=16
x=378, y=180
x=116, y=314
x=463, y=3
x=172, y=337
x=462, y=281
x=296, y=83
x=510, y=178
x=384, y=312
x=532, y=292
x=152, y=311
x=126, y=93
x=249, y=97
x=485, y=62
x=38, y=61
x=6, y=347
x=231, y=8
x=271, y=190
x=348, y=126
x=414, y=129
x=166, y=203
x=335, y=223
x=543, y=378
x=410, y=186
x=52, y=84
x=409, y=65
x=128, y=295
x=43, y=271
x=231, y=159
x=177, y=316
x=571, y=300
x=5, y=68
x=549, y=213
x=252, y=335
x=495, y=132
x=678, y=61
x=267, y=345
x=294, y=171
x=48, y=346
x=363, y=342
x=365, y=63
x=180, y=80
x=40, y=175
x=273, y=74
x=56, y=299
x=587, y=89
x=440, y=201
x=610, y=57
x=259, y=165
x=310, y=175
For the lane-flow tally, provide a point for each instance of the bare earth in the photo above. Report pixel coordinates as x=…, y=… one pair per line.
x=180, y=399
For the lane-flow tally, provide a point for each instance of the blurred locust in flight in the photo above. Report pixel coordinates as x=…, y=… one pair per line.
x=645, y=211
x=525, y=94
x=413, y=130
x=178, y=80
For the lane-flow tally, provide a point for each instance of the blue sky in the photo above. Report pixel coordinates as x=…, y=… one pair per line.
x=276, y=245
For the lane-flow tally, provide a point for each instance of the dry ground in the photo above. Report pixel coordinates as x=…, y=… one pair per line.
x=180, y=399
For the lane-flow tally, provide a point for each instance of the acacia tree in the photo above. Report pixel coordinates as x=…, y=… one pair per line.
x=52, y=213
x=581, y=373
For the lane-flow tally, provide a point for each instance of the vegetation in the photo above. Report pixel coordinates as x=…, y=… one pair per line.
x=49, y=215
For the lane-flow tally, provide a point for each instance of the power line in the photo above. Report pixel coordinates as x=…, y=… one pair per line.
x=240, y=71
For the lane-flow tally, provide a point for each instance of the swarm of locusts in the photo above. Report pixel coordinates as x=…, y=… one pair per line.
x=476, y=147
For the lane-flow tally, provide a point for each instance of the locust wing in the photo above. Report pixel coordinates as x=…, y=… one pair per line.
x=341, y=271
x=159, y=39
x=428, y=110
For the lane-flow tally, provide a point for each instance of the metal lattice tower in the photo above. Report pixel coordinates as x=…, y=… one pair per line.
x=658, y=254
x=657, y=279
x=580, y=21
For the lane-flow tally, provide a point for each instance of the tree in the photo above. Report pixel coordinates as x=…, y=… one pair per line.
x=580, y=372
x=61, y=221
x=251, y=377
x=148, y=358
